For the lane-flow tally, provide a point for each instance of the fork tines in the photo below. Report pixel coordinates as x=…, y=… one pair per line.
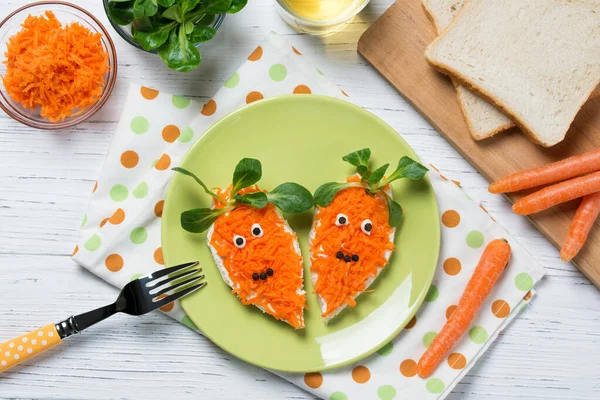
x=176, y=281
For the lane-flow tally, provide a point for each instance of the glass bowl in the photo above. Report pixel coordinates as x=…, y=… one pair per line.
x=316, y=25
x=65, y=13
x=125, y=30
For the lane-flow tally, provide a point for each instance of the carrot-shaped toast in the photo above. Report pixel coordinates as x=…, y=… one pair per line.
x=254, y=248
x=584, y=219
x=557, y=194
x=352, y=236
x=491, y=265
x=556, y=172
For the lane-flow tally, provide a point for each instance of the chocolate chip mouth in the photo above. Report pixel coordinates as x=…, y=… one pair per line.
x=347, y=257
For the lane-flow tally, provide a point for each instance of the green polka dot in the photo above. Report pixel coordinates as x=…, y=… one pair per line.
x=432, y=294
x=180, y=102
x=119, y=193
x=277, y=72
x=186, y=135
x=139, y=125
x=84, y=221
x=475, y=239
x=140, y=191
x=338, y=396
x=386, y=392
x=478, y=335
x=135, y=276
x=232, y=81
x=153, y=163
x=524, y=281
x=138, y=235
x=435, y=386
x=93, y=243
x=386, y=350
x=188, y=322
x=428, y=338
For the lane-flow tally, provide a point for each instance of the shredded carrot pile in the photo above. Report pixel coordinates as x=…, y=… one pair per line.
x=277, y=295
x=338, y=282
x=59, y=69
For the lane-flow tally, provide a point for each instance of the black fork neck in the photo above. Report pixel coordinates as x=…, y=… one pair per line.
x=78, y=323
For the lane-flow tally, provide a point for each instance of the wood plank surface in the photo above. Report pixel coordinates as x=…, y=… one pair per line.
x=394, y=45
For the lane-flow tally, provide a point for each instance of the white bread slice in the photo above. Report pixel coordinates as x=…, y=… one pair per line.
x=314, y=276
x=225, y=275
x=537, y=60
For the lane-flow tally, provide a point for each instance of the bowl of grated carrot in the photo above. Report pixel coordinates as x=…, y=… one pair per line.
x=59, y=65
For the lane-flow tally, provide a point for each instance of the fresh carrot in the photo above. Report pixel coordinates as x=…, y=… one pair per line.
x=559, y=171
x=558, y=193
x=491, y=265
x=584, y=219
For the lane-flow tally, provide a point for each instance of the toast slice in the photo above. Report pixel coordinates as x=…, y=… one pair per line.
x=540, y=70
x=337, y=281
x=268, y=246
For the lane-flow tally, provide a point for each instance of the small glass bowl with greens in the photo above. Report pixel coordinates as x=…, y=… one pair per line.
x=173, y=29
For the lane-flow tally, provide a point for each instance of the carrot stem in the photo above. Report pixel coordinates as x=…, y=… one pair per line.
x=551, y=173
x=584, y=219
x=491, y=265
x=557, y=194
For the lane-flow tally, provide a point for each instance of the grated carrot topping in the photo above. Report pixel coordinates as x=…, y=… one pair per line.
x=59, y=69
x=338, y=282
x=277, y=295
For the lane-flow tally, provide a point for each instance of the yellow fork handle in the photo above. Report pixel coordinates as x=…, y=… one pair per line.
x=27, y=346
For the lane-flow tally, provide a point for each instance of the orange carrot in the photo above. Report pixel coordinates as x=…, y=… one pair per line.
x=584, y=219
x=559, y=171
x=557, y=194
x=491, y=265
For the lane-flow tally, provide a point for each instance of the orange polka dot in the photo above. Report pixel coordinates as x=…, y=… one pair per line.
x=75, y=250
x=254, y=96
x=163, y=163
x=158, y=208
x=457, y=361
x=450, y=219
x=209, y=108
x=302, y=89
x=148, y=94
x=313, y=380
x=452, y=266
x=95, y=187
x=170, y=133
x=256, y=54
x=114, y=262
x=345, y=94
x=527, y=296
x=361, y=374
x=167, y=307
x=411, y=323
x=408, y=368
x=449, y=311
x=104, y=221
x=500, y=308
x=296, y=51
x=117, y=217
x=158, y=256
x=129, y=159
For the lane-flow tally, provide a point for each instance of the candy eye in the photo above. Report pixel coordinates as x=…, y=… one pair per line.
x=366, y=226
x=341, y=220
x=257, y=230
x=239, y=241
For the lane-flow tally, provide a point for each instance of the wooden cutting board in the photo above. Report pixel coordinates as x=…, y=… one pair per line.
x=394, y=45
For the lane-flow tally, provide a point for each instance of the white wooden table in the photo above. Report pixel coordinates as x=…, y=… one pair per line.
x=551, y=352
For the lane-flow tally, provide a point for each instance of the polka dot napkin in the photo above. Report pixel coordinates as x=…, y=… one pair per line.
x=120, y=233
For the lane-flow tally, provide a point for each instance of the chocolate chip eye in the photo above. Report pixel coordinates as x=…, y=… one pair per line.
x=341, y=220
x=366, y=226
x=257, y=230
x=239, y=241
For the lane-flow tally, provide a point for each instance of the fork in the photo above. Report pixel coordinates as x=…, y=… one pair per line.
x=138, y=297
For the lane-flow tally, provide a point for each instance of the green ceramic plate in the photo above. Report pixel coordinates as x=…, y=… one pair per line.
x=302, y=139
